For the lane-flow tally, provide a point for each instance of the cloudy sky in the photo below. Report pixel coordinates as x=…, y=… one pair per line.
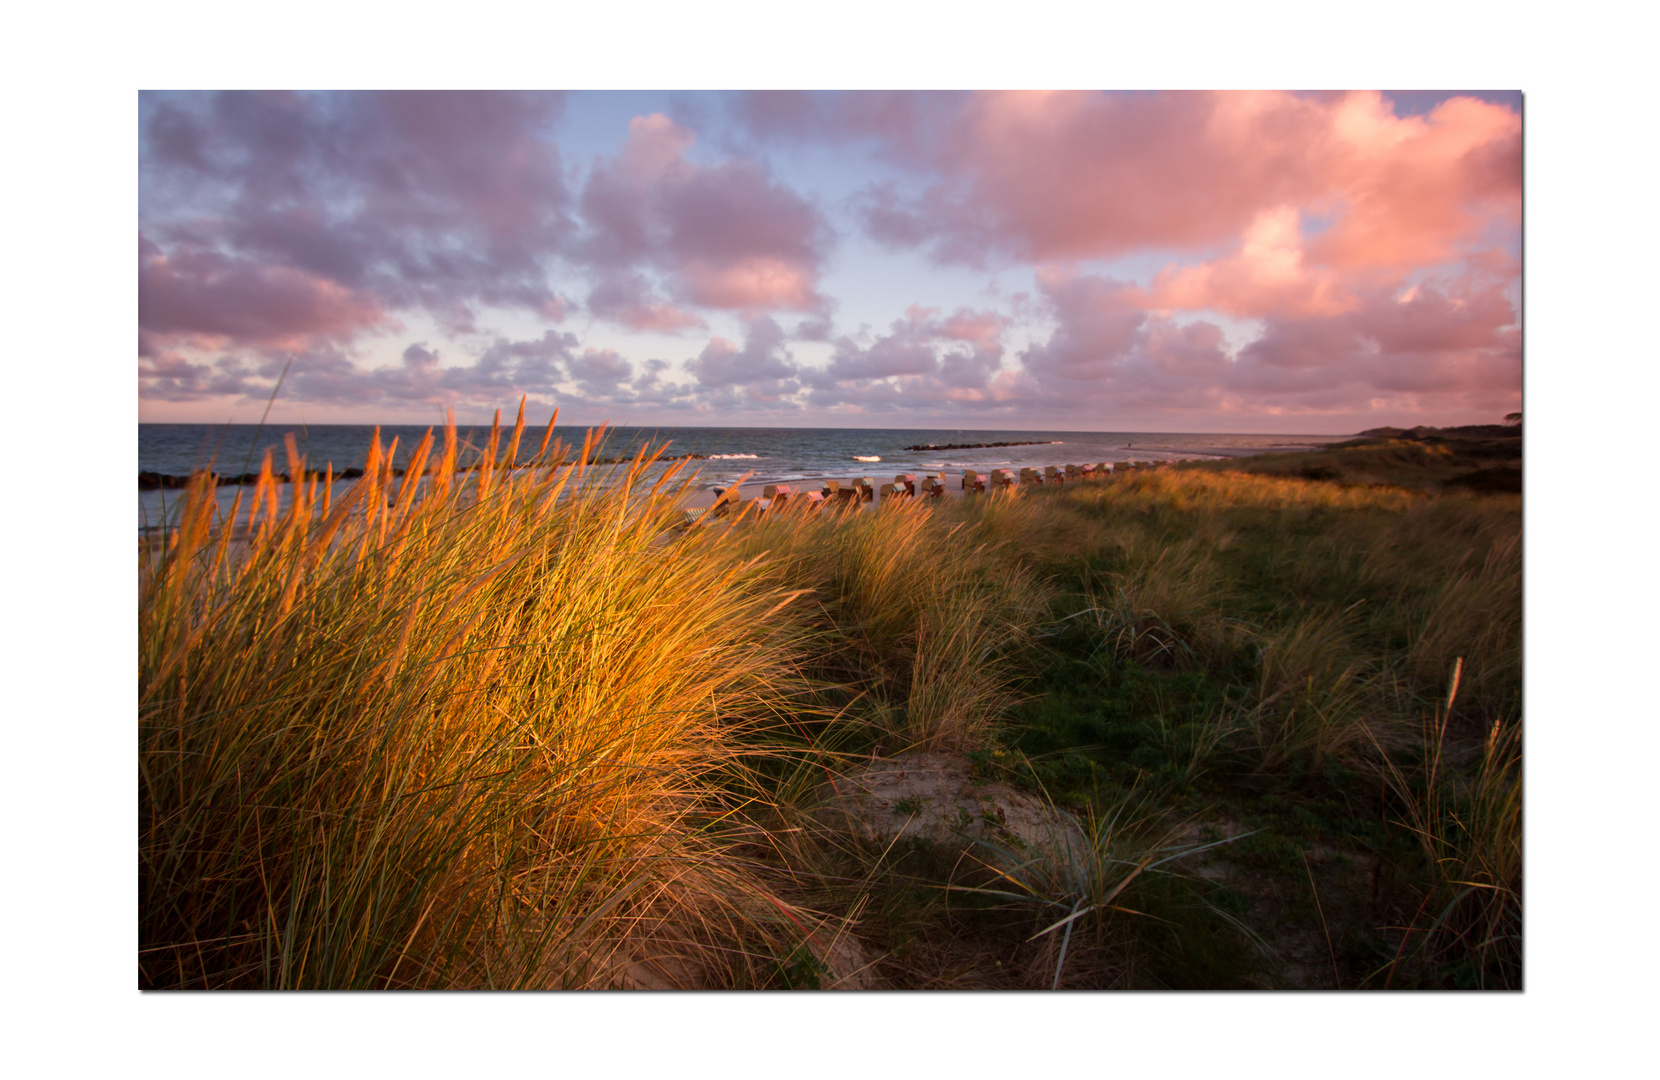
x=1245, y=262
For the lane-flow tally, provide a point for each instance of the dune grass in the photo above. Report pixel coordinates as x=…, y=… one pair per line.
x=477, y=727
x=1279, y=645
x=918, y=615
x=481, y=737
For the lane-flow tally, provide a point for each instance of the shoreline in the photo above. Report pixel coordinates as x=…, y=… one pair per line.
x=701, y=491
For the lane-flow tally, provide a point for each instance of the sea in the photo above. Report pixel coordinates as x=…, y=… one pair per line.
x=723, y=454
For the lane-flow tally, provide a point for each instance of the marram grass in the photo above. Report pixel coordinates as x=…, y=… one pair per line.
x=480, y=737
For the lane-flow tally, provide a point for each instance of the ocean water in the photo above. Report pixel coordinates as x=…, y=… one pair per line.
x=725, y=454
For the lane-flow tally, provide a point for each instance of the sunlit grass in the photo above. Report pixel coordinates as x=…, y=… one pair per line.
x=472, y=738
x=918, y=610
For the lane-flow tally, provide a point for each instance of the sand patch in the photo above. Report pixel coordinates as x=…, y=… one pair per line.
x=935, y=797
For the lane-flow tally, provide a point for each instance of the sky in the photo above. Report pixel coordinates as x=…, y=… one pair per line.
x=1261, y=261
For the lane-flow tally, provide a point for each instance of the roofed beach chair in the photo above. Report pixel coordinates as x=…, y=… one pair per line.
x=934, y=488
x=1052, y=475
x=1002, y=480
x=779, y=494
x=726, y=501
x=1073, y=473
x=973, y=481
x=908, y=480
x=893, y=491
x=1030, y=476
x=865, y=488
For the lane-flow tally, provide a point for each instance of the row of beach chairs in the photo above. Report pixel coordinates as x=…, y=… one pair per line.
x=777, y=497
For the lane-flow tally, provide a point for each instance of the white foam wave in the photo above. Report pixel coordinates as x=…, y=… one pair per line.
x=857, y=457
x=730, y=457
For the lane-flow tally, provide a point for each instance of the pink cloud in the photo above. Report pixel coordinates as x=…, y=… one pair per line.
x=396, y=200
x=761, y=371
x=201, y=294
x=322, y=373
x=1443, y=340
x=1414, y=189
x=922, y=362
x=1074, y=175
x=627, y=298
x=1269, y=272
x=1099, y=321
x=1445, y=345
x=723, y=236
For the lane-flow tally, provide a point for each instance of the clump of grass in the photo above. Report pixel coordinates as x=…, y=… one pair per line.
x=1475, y=618
x=1313, y=694
x=1157, y=608
x=1086, y=890
x=917, y=611
x=470, y=729
x=1467, y=930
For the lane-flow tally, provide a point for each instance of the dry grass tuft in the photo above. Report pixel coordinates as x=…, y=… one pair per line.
x=917, y=611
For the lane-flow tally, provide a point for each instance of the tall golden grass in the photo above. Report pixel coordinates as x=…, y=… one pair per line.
x=919, y=609
x=462, y=729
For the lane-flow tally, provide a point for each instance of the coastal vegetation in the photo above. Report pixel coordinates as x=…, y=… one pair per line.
x=467, y=727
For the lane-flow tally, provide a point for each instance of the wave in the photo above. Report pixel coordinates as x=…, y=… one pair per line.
x=730, y=457
x=857, y=457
